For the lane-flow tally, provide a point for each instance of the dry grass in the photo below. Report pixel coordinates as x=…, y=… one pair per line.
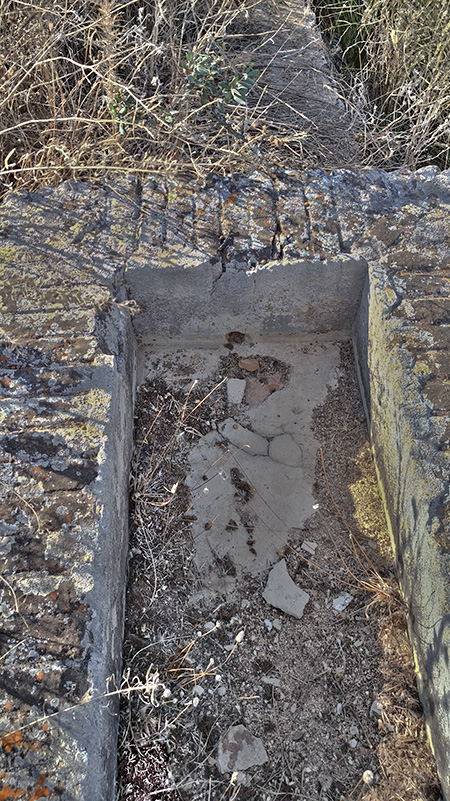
x=89, y=87
x=141, y=86
x=397, y=60
x=93, y=87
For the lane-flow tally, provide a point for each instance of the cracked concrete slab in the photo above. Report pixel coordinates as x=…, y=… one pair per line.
x=251, y=481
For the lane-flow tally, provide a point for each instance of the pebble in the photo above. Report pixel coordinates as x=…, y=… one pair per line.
x=375, y=709
x=368, y=777
x=341, y=602
x=309, y=546
x=269, y=680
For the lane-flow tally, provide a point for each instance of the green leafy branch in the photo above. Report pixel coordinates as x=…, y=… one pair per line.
x=206, y=76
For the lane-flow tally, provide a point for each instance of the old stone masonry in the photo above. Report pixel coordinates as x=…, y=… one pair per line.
x=88, y=272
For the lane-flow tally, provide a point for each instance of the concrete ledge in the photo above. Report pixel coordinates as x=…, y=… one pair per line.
x=253, y=253
x=410, y=424
x=66, y=407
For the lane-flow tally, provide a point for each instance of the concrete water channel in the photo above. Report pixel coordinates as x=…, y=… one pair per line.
x=105, y=284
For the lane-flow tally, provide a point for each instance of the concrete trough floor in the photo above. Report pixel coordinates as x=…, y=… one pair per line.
x=259, y=559
x=266, y=438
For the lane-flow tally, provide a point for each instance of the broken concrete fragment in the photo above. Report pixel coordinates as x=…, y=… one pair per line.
x=283, y=593
x=235, y=390
x=341, y=602
x=309, y=546
x=242, y=437
x=240, y=750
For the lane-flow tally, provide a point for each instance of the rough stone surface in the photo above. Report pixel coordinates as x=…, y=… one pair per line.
x=67, y=363
x=239, y=750
x=283, y=593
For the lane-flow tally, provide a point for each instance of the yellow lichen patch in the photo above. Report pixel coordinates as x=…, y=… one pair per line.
x=369, y=512
x=8, y=253
x=94, y=404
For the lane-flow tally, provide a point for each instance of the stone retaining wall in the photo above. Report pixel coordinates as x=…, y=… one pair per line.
x=85, y=268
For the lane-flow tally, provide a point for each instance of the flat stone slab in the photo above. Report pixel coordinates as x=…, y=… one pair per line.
x=239, y=750
x=235, y=390
x=282, y=593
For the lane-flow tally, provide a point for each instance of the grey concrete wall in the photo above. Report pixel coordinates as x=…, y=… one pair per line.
x=409, y=428
x=279, y=297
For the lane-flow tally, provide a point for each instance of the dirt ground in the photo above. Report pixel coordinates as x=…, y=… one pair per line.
x=331, y=696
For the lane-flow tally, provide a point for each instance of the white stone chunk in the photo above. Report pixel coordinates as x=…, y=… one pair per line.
x=235, y=390
x=341, y=602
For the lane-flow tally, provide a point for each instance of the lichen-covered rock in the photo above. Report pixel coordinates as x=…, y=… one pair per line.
x=66, y=357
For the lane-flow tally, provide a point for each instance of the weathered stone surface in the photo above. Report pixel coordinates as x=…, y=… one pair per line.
x=258, y=254
x=404, y=340
x=66, y=357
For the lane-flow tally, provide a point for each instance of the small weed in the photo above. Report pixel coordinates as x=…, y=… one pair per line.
x=123, y=110
x=208, y=77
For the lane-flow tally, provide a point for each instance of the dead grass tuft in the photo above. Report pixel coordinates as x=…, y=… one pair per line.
x=396, y=58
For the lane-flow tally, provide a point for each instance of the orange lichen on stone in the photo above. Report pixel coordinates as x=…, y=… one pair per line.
x=8, y=794
x=40, y=675
x=10, y=740
x=40, y=791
